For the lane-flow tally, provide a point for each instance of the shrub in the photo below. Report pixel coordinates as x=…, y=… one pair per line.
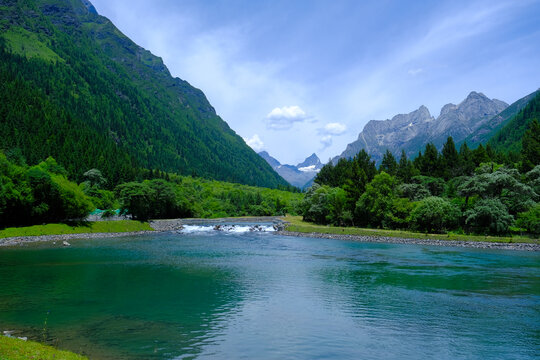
x=530, y=220
x=435, y=214
x=489, y=216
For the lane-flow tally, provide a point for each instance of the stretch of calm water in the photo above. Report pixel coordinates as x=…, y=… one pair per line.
x=262, y=296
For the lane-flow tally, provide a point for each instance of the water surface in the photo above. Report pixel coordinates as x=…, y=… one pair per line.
x=259, y=295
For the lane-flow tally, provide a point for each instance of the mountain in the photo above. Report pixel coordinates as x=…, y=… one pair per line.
x=297, y=175
x=499, y=121
x=312, y=163
x=412, y=131
x=508, y=138
x=75, y=88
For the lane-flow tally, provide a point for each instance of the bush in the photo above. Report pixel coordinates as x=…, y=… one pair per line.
x=530, y=220
x=489, y=216
x=435, y=214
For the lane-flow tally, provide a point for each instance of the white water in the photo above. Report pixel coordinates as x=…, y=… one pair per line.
x=227, y=228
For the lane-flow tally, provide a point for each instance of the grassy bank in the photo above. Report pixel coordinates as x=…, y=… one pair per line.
x=90, y=227
x=296, y=224
x=15, y=349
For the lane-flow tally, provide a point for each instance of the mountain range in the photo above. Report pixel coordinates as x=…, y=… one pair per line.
x=300, y=175
x=75, y=88
x=473, y=119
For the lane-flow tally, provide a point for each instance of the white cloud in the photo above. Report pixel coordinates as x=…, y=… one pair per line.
x=284, y=118
x=326, y=141
x=255, y=143
x=414, y=72
x=333, y=129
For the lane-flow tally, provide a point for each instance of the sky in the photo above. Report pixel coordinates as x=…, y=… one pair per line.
x=301, y=77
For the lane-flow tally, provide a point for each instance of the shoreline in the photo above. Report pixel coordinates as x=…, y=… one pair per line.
x=411, y=241
x=23, y=240
x=167, y=225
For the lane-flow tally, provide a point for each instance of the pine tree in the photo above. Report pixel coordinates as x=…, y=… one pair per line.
x=530, y=151
x=389, y=163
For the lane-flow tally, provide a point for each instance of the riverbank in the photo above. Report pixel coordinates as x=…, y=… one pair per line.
x=61, y=233
x=288, y=226
x=296, y=227
x=431, y=242
x=17, y=349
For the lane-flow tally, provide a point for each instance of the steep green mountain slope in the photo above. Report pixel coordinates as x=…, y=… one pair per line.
x=509, y=137
x=72, y=86
x=499, y=121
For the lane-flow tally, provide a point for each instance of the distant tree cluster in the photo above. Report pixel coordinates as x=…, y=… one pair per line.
x=478, y=191
x=39, y=194
x=42, y=194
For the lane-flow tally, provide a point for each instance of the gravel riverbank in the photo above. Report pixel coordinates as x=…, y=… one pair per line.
x=393, y=240
x=22, y=240
x=177, y=224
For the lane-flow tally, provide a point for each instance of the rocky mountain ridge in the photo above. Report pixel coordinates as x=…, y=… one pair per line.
x=412, y=131
x=297, y=175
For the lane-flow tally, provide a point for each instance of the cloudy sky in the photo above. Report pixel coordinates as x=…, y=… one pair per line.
x=297, y=77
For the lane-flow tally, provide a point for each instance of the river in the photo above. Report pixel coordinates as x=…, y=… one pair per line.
x=257, y=295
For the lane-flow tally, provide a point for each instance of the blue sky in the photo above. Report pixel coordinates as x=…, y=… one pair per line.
x=297, y=77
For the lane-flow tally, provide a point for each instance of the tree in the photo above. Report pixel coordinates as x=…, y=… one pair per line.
x=430, y=165
x=136, y=200
x=489, y=216
x=406, y=169
x=375, y=205
x=530, y=220
x=435, y=214
x=450, y=158
x=530, y=150
x=389, y=163
x=480, y=155
x=466, y=162
x=95, y=178
x=315, y=204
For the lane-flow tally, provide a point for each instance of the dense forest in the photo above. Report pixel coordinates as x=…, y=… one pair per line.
x=75, y=88
x=475, y=191
x=43, y=194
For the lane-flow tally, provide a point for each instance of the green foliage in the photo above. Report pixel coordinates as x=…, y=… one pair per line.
x=530, y=220
x=16, y=349
x=406, y=169
x=430, y=194
x=80, y=228
x=39, y=194
x=435, y=214
x=375, y=206
x=75, y=88
x=508, y=139
x=489, y=216
x=530, y=151
x=196, y=197
x=389, y=163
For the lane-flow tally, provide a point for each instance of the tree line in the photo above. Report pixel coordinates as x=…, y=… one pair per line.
x=43, y=194
x=474, y=191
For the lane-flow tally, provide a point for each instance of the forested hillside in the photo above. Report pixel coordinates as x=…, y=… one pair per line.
x=72, y=86
x=508, y=139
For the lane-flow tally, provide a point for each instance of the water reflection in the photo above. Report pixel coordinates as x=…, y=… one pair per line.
x=259, y=295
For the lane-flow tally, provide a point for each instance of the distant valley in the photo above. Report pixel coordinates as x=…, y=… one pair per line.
x=300, y=175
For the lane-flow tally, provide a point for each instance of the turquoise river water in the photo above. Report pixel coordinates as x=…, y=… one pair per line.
x=243, y=295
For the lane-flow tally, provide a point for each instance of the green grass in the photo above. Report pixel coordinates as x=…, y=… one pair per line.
x=15, y=349
x=297, y=225
x=24, y=42
x=90, y=227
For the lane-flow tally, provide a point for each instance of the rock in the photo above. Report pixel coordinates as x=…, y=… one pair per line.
x=412, y=131
x=8, y=333
x=24, y=338
x=65, y=243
